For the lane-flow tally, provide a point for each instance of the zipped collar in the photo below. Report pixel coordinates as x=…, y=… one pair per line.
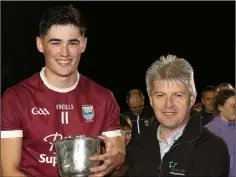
x=192, y=131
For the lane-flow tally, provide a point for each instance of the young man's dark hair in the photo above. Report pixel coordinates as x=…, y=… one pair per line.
x=62, y=15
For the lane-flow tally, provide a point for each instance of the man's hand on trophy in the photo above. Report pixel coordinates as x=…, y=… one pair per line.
x=111, y=159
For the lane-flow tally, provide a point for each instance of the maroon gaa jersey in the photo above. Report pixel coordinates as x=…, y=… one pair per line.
x=40, y=114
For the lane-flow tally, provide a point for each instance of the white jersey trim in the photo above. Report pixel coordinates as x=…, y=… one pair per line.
x=42, y=75
x=113, y=133
x=12, y=134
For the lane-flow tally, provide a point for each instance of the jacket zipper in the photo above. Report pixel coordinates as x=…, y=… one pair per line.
x=160, y=166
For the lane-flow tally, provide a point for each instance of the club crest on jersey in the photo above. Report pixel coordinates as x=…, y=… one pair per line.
x=88, y=112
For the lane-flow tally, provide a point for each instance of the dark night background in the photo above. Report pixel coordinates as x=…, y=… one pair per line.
x=124, y=38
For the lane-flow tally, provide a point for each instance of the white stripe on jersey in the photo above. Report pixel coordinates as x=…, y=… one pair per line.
x=11, y=133
x=113, y=133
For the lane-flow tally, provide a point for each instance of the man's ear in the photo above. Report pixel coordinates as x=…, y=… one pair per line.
x=193, y=99
x=220, y=107
x=84, y=44
x=39, y=44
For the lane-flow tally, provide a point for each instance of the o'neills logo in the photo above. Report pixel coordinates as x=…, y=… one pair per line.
x=44, y=158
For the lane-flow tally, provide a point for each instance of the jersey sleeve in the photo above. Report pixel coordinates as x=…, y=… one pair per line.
x=11, y=126
x=112, y=122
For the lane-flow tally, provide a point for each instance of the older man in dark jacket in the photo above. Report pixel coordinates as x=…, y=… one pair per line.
x=179, y=145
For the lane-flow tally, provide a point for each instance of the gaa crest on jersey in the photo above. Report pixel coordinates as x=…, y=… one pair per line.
x=88, y=112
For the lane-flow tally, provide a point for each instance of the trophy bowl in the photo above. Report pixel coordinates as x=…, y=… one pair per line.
x=73, y=155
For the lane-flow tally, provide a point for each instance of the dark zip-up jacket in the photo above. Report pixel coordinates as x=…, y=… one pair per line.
x=144, y=121
x=198, y=152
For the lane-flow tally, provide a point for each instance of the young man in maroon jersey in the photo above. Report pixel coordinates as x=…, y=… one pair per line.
x=56, y=103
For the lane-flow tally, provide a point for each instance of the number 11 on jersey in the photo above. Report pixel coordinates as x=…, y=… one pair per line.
x=64, y=117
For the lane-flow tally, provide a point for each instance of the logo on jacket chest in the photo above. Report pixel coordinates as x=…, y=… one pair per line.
x=146, y=123
x=88, y=112
x=175, y=170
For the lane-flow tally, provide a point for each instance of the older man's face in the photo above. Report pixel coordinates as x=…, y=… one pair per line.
x=171, y=102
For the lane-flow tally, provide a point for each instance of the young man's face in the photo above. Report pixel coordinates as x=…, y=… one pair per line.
x=62, y=47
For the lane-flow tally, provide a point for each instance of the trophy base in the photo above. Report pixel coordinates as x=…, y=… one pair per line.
x=77, y=176
x=80, y=175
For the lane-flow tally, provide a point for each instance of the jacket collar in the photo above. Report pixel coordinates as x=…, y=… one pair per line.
x=148, y=140
x=192, y=130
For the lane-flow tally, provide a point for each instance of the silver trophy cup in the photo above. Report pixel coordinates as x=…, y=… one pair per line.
x=73, y=155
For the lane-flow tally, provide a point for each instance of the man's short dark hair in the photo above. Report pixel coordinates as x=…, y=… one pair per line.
x=61, y=15
x=208, y=88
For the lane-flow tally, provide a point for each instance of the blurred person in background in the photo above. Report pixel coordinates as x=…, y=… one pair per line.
x=207, y=97
x=140, y=115
x=224, y=124
x=126, y=128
